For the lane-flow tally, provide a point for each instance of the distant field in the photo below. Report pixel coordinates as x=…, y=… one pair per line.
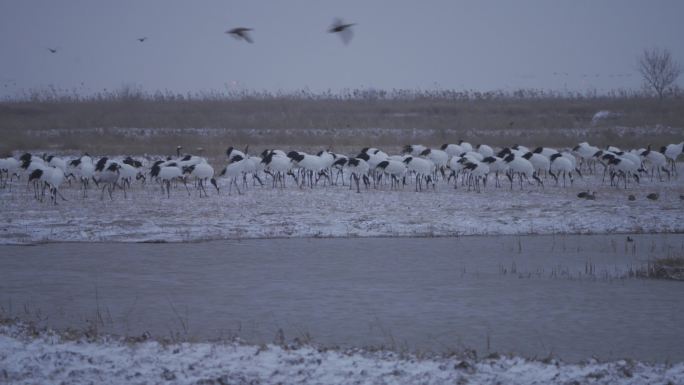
x=147, y=124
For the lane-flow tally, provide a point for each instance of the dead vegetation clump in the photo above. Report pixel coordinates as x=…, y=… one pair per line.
x=663, y=268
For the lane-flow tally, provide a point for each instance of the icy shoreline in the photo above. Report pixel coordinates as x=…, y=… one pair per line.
x=335, y=211
x=29, y=356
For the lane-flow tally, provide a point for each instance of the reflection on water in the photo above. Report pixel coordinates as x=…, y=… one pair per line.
x=531, y=295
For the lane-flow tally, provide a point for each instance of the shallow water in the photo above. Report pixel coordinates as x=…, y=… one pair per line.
x=530, y=295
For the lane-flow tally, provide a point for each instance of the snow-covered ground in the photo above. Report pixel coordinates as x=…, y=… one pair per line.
x=31, y=357
x=335, y=211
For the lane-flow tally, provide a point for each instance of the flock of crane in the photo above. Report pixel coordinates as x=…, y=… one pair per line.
x=459, y=163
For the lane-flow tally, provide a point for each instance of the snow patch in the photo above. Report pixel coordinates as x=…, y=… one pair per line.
x=605, y=115
x=30, y=357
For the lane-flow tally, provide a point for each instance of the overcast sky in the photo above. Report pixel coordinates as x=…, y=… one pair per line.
x=484, y=45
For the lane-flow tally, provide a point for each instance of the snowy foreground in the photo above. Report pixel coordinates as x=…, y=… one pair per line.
x=335, y=211
x=30, y=357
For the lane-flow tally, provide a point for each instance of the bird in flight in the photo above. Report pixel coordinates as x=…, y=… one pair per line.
x=142, y=39
x=343, y=29
x=241, y=33
x=52, y=50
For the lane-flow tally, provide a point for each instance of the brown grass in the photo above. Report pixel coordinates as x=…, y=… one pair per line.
x=357, y=118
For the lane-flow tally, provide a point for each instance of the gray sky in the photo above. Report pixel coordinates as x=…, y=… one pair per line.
x=476, y=44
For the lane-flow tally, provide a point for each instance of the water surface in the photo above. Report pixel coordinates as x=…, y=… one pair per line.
x=530, y=295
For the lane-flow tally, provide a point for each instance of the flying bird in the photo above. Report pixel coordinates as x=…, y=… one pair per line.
x=342, y=29
x=52, y=50
x=142, y=39
x=241, y=33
